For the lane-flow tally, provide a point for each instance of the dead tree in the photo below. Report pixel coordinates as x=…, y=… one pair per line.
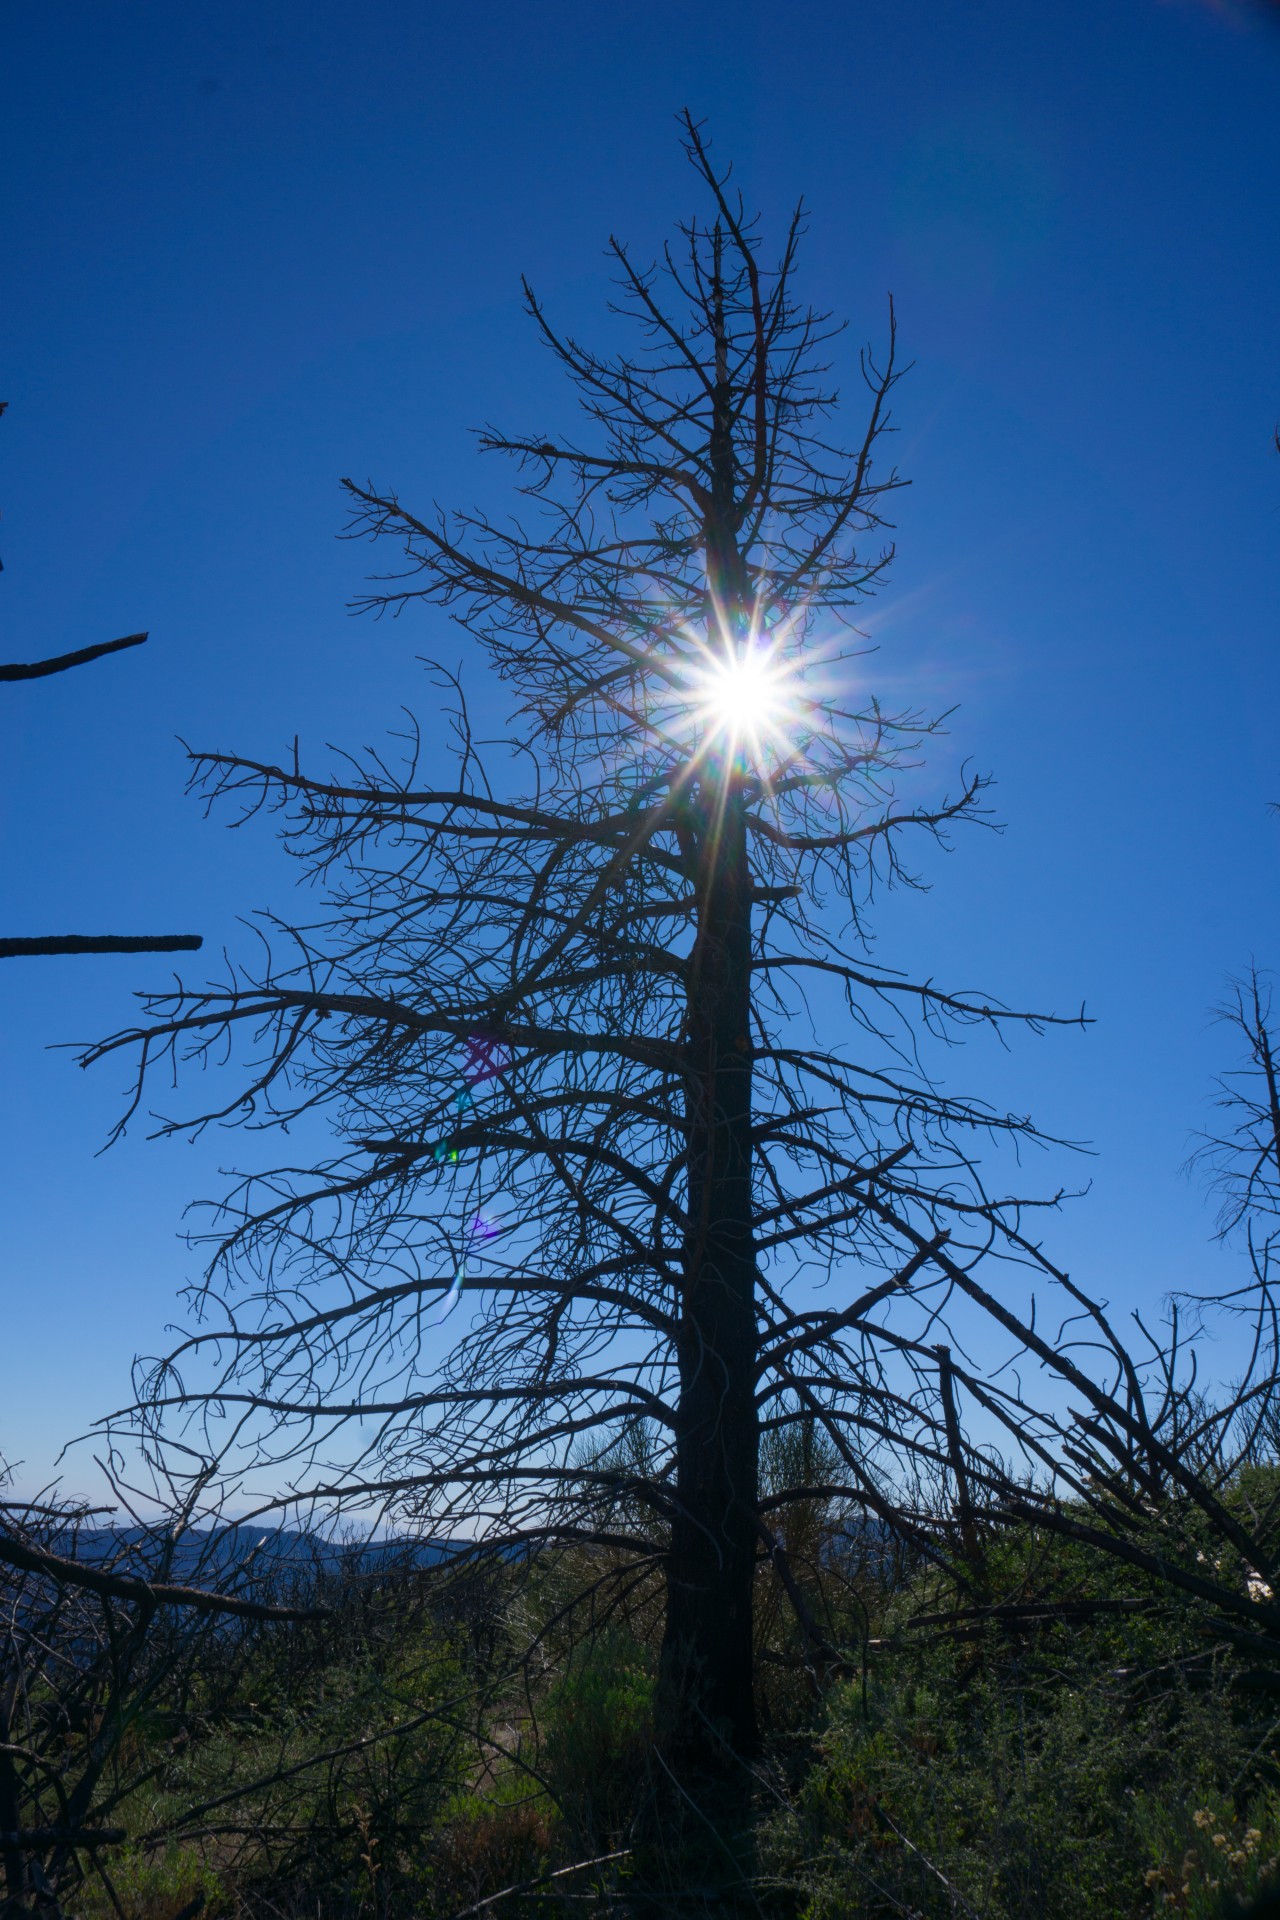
x=1111, y=1438
x=599, y=1028
x=14, y=947
x=1243, y=1163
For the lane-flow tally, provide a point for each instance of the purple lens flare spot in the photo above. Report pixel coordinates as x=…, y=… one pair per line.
x=486, y=1058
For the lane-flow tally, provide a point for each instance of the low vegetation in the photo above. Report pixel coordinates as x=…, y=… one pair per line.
x=1077, y=1741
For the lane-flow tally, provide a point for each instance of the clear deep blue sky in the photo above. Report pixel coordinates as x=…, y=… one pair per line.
x=251, y=247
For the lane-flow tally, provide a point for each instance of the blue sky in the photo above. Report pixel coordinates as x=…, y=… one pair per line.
x=249, y=248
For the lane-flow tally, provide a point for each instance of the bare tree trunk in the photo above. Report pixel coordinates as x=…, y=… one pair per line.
x=706, y=1695
x=707, y=1650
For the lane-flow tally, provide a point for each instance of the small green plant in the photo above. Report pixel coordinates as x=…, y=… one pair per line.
x=597, y=1736
x=154, y=1886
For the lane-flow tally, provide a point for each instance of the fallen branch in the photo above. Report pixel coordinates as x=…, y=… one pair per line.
x=543, y=1880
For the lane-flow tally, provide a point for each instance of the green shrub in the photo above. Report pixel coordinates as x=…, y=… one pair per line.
x=154, y=1885
x=597, y=1736
x=1080, y=1770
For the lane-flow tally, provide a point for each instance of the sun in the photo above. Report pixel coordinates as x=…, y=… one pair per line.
x=743, y=697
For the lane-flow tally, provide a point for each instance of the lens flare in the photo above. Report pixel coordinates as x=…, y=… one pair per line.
x=744, y=697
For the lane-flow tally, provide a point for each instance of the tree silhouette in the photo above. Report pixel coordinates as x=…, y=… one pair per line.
x=599, y=1031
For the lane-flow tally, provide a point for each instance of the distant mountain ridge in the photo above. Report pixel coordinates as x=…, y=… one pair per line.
x=204, y=1555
